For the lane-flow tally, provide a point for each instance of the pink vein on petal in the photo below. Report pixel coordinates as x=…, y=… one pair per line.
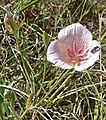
x=74, y=48
x=69, y=53
x=81, y=50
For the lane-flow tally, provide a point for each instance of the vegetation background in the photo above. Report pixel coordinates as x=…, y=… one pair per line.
x=31, y=88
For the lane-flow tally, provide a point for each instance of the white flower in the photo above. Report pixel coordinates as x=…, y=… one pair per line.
x=73, y=49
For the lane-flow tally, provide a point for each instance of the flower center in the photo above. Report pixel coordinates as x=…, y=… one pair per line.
x=77, y=55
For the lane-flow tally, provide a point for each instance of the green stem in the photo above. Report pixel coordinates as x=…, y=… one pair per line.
x=14, y=89
x=29, y=5
x=45, y=60
x=60, y=88
x=44, y=73
x=16, y=34
x=100, y=28
x=52, y=88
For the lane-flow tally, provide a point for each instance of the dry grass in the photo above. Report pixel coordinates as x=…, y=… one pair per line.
x=31, y=88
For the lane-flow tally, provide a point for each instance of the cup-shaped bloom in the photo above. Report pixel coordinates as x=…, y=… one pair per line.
x=73, y=49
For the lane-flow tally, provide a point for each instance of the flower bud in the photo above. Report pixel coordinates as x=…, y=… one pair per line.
x=8, y=8
x=16, y=15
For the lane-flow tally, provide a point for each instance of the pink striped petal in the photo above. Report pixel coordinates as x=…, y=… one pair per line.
x=92, y=57
x=87, y=63
x=75, y=33
x=54, y=55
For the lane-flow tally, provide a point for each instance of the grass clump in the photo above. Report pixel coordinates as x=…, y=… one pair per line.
x=31, y=88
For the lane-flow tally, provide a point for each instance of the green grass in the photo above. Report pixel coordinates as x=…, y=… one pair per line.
x=31, y=88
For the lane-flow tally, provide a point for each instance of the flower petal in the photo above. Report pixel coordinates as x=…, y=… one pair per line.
x=8, y=7
x=94, y=44
x=75, y=33
x=54, y=55
x=91, y=60
x=88, y=63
